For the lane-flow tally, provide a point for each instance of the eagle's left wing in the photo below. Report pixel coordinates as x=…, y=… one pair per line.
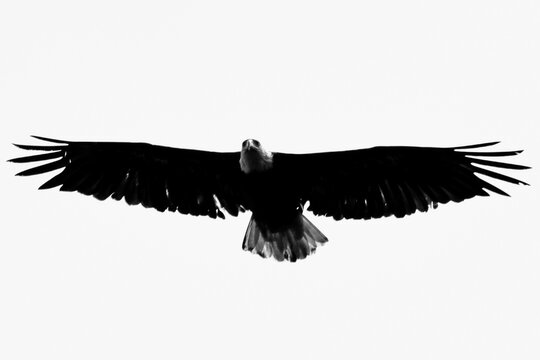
x=390, y=180
x=188, y=181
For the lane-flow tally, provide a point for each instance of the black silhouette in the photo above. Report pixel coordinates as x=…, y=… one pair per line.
x=355, y=184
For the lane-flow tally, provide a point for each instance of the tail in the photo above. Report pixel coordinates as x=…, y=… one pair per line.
x=290, y=244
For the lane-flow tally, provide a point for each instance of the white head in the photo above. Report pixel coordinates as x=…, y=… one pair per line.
x=254, y=158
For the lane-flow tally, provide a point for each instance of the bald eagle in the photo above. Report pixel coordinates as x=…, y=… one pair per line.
x=275, y=187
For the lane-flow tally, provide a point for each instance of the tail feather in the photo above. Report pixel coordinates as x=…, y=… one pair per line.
x=288, y=244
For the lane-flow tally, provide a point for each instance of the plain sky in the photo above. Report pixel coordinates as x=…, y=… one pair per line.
x=82, y=279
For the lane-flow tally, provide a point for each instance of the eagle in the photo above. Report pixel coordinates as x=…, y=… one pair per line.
x=365, y=183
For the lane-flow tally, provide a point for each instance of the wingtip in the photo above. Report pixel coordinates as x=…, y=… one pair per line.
x=490, y=143
x=515, y=152
x=43, y=147
x=15, y=159
x=49, y=139
x=478, y=145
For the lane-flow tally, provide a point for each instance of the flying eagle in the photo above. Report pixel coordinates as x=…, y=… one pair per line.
x=355, y=184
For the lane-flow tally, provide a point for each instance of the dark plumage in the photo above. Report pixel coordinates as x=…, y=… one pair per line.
x=355, y=184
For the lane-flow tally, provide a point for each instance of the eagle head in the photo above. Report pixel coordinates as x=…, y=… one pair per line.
x=254, y=158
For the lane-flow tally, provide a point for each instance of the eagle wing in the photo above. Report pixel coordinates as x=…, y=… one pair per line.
x=384, y=181
x=188, y=181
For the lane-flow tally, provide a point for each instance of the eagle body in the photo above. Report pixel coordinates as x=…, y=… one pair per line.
x=353, y=184
x=268, y=193
x=278, y=227
x=270, y=199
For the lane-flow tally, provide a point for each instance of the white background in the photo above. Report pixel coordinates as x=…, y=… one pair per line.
x=82, y=279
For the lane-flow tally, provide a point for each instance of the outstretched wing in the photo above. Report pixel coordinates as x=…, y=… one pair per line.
x=384, y=181
x=189, y=181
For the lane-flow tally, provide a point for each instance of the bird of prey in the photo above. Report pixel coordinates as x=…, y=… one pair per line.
x=275, y=187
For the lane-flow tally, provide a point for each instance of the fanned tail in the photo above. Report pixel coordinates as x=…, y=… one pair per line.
x=289, y=244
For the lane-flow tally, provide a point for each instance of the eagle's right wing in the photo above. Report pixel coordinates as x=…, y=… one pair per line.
x=189, y=181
